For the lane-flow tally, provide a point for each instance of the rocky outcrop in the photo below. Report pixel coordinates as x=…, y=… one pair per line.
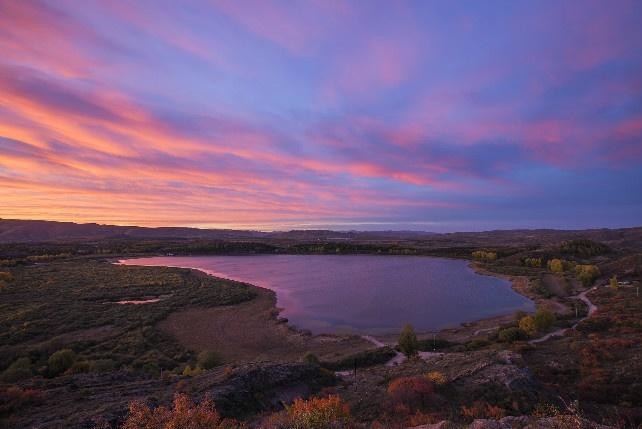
x=257, y=388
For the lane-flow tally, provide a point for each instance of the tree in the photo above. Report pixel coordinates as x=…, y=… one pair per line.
x=613, y=282
x=543, y=320
x=527, y=324
x=408, y=343
x=556, y=265
x=587, y=274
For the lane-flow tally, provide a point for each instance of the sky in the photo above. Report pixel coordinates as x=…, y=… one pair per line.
x=369, y=115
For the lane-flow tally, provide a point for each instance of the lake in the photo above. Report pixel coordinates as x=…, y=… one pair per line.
x=364, y=294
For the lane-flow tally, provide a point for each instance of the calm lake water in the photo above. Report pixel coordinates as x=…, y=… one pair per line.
x=364, y=293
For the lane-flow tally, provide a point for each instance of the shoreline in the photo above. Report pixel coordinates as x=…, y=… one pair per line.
x=462, y=332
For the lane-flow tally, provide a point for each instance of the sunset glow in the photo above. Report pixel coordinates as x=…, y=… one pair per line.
x=435, y=116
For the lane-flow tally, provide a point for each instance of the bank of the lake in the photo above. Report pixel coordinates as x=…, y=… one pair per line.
x=484, y=286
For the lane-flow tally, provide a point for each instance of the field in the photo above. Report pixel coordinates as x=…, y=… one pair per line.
x=71, y=355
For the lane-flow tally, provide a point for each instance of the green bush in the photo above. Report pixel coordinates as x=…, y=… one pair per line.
x=408, y=343
x=18, y=370
x=543, y=320
x=208, y=360
x=61, y=361
x=510, y=335
x=310, y=357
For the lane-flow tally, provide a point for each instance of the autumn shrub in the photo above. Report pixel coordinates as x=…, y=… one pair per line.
x=436, y=378
x=482, y=410
x=556, y=265
x=587, y=274
x=190, y=371
x=483, y=255
x=184, y=414
x=19, y=369
x=318, y=413
x=411, y=392
x=208, y=360
x=419, y=418
x=527, y=324
x=61, y=361
x=533, y=262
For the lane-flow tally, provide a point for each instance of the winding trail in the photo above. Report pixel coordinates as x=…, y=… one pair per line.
x=592, y=308
x=400, y=357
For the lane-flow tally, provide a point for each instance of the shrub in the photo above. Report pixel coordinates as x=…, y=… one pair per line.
x=510, y=335
x=208, y=360
x=436, y=378
x=61, y=361
x=183, y=414
x=556, y=265
x=587, y=274
x=482, y=410
x=310, y=357
x=318, y=413
x=527, y=324
x=19, y=369
x=411, y=392
x=484, y=255
x=408, y=343
x=191, y=372
x=543, y=320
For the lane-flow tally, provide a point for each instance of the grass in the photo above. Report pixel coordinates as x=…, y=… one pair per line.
x=72, y=305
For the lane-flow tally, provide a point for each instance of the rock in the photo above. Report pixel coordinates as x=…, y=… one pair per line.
x=265, y=387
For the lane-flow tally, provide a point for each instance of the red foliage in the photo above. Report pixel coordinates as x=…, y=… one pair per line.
x=482, y=410
x=183, y=415
x=411, y=392
x=13, y=398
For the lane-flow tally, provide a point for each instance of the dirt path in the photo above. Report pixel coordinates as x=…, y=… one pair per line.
x=399, y=357
x=592, y=308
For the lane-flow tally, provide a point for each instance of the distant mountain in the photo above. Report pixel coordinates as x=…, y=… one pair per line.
x=15, y=231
